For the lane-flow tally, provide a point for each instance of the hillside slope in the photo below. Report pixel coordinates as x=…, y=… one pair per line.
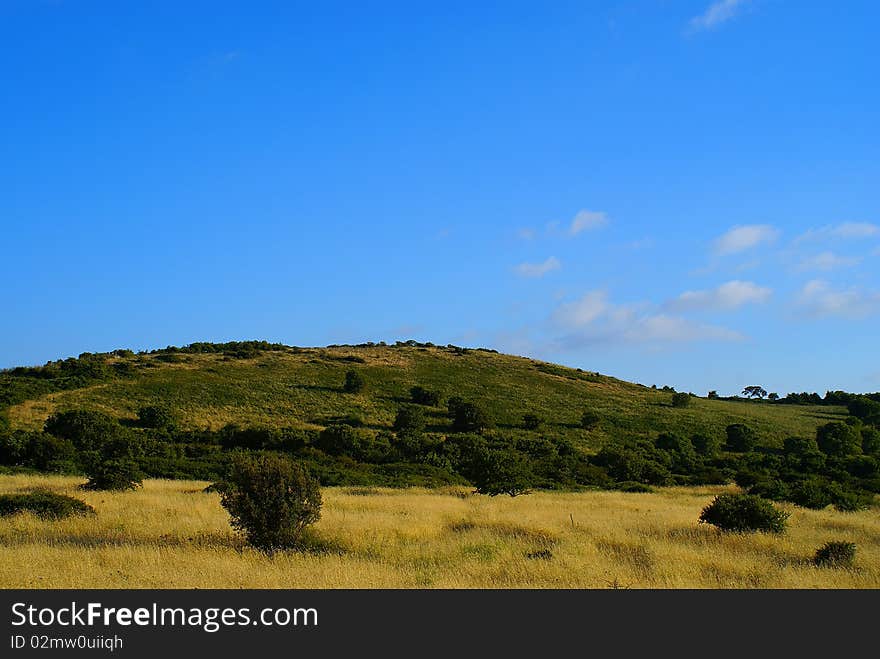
x=302, y=387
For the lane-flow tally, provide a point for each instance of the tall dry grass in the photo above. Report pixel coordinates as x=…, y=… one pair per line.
x=170, y=534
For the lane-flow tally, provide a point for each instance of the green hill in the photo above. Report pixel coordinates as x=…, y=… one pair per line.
x=268, y=385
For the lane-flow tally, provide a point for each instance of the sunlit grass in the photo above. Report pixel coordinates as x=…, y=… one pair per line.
x=171, y=534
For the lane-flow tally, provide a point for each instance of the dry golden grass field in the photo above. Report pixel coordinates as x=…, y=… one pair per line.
x=171, y=534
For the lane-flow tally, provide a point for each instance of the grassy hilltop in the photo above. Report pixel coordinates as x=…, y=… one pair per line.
x=302, y=388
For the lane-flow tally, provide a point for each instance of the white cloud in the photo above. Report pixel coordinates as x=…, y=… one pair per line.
x=717, y=13
x=819, y=299
x=845, y=230
x=587, y=220
x=525, y=234
x=744, y=237
x=573, y=315
x=828, y=261
x=538, y=269
x=731, y=295
x=594, y=320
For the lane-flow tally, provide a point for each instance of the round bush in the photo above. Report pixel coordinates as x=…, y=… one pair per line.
x=156, y=416
x=354, y=382
x=532, y=422
x=836, y=554
x=681, y=399
x=114, y=474
x=740, y=438
x=47, y=505
x=271, y=500
x=422, y=396
x=409, y=419
x=590, y=420
x=744, y=513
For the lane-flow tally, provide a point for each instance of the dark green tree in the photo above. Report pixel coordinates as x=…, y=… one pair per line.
x=409, y=419
x=156, y=416
x=744, y=513
x=354, y=382
x=681, y=399
x=470, y=417
x=271, y=500
x=838, y=439
x=740, y=438
x=504, y=471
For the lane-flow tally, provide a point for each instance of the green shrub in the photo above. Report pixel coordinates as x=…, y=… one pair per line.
x=49, y=453
x=354, y=382
x=681, y=399
x=409, y=419
x=422, y=396
x=532, y=422
x=706, y=445
x=744, y=513
x=590, y=420
x=271, y=500
x=47, y=505
x=156, y=416
x=835, y=554
x=113, y=474
x=470, y=418
x=503, y=471
x=740, y=438
x=632, y=487
x=838, y=439
x=343, y=440
x=87, y=430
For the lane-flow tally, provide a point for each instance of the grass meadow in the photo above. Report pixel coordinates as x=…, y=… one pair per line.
x=171, y=534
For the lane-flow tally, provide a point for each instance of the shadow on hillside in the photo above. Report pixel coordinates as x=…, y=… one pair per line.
x=318, y=387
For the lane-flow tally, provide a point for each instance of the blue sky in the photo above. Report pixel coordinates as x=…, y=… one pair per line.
x=671, y=192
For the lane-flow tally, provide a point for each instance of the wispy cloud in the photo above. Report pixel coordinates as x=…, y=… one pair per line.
x=587, y=220
x=592, y=319
x=538, y=269
x=716, y=14
x=526, y=234
x=846, y=230
x=828, y=261
x=744, y=237
x=818, y=299
x=732, y=295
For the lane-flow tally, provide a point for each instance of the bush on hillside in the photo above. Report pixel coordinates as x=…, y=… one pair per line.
x=838, y=439
x=744, y=513
x=532, y=422
x=271, y=500
x=47, y=505
x=836, y=554
x=409, y=419
x=113, y=474
x=590, y=420
x=470, y=417
x=422, y=396
x=740, y=438
x=681, y=399
x=503, y=471
x=156, y=416
x=706, y=445
x=354, y=382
